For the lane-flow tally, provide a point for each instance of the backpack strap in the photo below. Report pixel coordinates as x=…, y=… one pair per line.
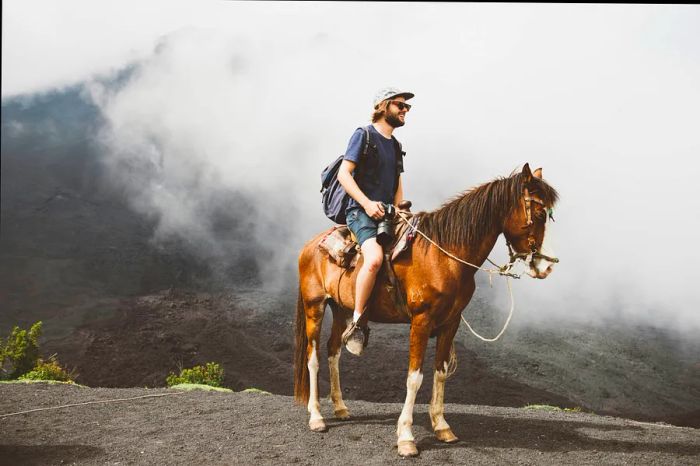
x=365, y=149
x=399, y=148
x=399, y=161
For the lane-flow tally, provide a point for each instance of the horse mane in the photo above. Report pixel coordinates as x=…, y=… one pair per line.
x=467, y=217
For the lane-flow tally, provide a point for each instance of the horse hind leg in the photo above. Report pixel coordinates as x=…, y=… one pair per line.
x=314, y=319
x=445, y=363
x=334, y=349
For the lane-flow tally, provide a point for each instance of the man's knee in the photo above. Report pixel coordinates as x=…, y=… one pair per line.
x=373, y=255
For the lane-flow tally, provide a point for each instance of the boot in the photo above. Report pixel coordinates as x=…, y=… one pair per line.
x=354, y=338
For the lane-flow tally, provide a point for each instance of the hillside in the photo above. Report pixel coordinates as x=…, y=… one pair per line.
x=250, y=332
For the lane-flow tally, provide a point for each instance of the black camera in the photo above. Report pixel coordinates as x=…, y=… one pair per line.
x=385, y=228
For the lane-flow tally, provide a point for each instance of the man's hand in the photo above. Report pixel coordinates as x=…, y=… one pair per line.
x=374, y=209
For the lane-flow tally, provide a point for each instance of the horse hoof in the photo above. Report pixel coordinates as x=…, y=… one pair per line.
x=342, y=414
x=407, y=448
x=446, y=435
x=317, y=425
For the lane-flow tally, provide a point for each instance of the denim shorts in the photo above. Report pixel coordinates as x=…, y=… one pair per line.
x=362, y=226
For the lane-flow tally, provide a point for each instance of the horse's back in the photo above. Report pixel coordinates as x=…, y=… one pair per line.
x=310, y=249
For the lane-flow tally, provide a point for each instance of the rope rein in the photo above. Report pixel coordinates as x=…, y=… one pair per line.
x=504, y=270
x=2, y=416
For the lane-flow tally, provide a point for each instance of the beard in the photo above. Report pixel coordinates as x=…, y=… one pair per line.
x=393, y=120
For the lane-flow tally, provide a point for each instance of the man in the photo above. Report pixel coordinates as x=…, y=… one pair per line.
x=377, y=181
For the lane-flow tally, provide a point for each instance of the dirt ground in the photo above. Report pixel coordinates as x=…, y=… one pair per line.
x=255, y=428
x=250, y=333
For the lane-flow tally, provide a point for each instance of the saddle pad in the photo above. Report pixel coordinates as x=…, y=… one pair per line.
x=339, y=246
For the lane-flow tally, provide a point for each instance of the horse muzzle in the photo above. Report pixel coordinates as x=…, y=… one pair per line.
x=541, y=265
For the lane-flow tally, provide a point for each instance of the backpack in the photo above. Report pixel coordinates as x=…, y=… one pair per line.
x=333, y=196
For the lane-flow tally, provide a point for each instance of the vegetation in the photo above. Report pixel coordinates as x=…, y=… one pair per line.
x=577, y=409
x=19, y=354
x=48, y=370
x=19, y=358
x=46, y=382
x=194, y=386
x=211, y=374
x=255, y=390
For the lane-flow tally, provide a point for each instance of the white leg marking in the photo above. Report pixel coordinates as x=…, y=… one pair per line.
x=437, y=405
x=314, y=406
x=413, y=383
x=336, y=392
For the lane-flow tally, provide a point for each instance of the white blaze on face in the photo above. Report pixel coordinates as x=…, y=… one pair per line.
x=413, y=382
x=543, y=267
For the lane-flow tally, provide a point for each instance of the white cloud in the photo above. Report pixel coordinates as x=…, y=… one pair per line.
x=259, y=97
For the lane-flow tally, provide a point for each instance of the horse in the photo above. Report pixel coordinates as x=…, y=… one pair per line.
x=434, y=286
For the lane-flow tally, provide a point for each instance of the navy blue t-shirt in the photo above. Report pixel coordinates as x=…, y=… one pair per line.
x=377, y=173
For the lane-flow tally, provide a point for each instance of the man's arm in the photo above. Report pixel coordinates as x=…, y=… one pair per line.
x=373, y=208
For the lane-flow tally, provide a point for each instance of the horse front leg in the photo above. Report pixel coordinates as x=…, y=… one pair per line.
x=334, y=349
x=444, y=358
x=420, y=333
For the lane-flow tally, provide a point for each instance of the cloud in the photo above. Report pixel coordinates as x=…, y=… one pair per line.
x=259, y=99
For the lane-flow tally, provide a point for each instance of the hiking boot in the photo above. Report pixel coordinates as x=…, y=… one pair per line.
x=354, y=339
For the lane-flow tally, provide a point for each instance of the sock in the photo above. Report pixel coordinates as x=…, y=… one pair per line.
x=355, y=316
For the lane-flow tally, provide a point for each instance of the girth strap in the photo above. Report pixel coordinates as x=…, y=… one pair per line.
x=394, y=286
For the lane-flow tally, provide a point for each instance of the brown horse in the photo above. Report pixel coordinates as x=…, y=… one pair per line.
x=436, y=289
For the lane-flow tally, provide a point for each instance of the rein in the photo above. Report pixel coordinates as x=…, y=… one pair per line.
x=503, y=270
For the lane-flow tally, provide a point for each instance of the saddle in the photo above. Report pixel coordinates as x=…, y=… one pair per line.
x=342, y=248
x=341, y=245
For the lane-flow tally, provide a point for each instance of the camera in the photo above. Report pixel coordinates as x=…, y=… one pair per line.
x=385, y=228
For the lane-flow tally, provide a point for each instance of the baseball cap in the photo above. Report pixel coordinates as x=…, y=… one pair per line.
x=389, y=92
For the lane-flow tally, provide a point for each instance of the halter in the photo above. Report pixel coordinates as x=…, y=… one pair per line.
x=528, y=257
x=504, y=270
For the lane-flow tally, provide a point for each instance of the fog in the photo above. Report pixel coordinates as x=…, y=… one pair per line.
x=258, y=98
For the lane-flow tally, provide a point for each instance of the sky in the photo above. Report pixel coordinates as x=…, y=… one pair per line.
x=258, y=97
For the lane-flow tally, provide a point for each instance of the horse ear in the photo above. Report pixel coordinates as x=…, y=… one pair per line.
x=527, y=173
x=537, y=173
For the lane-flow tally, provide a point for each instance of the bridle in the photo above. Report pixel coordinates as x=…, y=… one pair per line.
x=534, y=253
x=514, y=256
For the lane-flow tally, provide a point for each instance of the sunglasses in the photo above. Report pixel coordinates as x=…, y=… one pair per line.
x=401, y=105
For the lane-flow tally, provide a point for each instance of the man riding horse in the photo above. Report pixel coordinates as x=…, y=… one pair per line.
x=372, y=184
x=434, y=277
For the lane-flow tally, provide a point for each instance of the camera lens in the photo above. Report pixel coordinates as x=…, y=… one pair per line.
x=385, y=229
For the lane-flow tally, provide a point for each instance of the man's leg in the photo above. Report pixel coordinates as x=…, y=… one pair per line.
x=372, y=256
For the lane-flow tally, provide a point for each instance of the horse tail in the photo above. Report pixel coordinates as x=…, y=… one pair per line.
x=301, y=357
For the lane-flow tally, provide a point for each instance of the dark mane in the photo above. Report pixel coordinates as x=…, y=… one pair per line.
x=466, y=218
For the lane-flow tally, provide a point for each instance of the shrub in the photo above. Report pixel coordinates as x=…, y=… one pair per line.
x=20, y=353
x=212, y=374
x=48, y=370
x=188, y=387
